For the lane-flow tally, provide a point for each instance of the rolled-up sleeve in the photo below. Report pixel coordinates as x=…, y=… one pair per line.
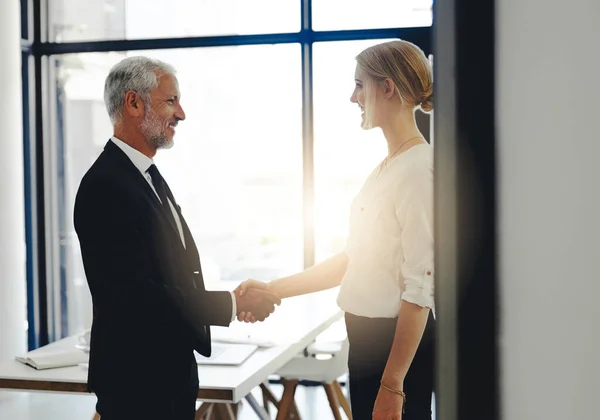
x=414, y=210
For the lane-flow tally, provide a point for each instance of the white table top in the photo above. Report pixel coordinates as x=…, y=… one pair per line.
x=293, y=326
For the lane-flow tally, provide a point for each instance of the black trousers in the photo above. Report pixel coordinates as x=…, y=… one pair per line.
x=149, y=406
x=370, y=344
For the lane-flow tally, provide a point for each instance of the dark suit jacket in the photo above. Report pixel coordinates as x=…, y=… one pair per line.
x=150, y=307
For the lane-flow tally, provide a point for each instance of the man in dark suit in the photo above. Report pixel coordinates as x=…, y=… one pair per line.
x=150, y=307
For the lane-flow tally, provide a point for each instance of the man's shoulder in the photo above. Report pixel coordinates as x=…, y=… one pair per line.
x=101, y=172
x=106, y=178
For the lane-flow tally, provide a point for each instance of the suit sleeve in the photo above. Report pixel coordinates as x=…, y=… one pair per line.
x=120, y=263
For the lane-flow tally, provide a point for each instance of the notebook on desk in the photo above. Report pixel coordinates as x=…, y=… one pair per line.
x=49, y=359
x=227, y=354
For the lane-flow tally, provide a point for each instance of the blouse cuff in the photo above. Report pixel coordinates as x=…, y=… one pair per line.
x=419, y=290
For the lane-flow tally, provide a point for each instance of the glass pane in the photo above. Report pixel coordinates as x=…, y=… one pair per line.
x=236, y=168
x=75, y=20
x=345, y=154
x=329, y=15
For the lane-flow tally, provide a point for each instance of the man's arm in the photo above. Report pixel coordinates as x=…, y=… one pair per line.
x=118, y=260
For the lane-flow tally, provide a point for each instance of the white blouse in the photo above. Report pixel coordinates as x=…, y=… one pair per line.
x=390, y=245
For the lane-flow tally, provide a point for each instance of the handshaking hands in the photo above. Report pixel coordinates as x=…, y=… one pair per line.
x=254, y=300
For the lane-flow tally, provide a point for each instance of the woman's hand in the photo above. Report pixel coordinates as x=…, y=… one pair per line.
x=241, y=289
x=388, y=405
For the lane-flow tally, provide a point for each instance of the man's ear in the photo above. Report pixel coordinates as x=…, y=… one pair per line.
x=389, y=88
x=134, y=105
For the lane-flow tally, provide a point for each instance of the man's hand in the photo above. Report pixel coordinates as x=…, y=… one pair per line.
x=388, y=406
x=260, y=303
x=242, y=289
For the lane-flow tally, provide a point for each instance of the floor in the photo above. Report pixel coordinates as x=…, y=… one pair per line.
x=311, y=402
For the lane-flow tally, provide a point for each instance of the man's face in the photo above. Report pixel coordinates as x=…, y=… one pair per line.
x=162, y=113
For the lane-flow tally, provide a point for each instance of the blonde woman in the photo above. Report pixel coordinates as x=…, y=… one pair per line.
x=386, y=270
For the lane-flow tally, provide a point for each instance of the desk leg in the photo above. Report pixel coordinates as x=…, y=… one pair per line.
x=226, y=411
x=286, y=404
x=258, y=409
x=217, y=411
x=268, y=397
x=204, y=411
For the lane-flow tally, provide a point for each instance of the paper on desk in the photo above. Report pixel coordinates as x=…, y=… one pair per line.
x=243, y=335
x=47, y=359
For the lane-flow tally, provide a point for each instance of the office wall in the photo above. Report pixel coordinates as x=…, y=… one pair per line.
x=548, y=105
x=12, y=224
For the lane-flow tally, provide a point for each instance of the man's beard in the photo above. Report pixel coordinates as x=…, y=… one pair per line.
x=153, y=129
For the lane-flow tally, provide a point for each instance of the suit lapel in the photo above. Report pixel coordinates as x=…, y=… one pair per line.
x=190, y=252
x=116, y=153
x=190, y=244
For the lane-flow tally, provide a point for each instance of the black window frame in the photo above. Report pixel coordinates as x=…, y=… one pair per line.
x=35, y=53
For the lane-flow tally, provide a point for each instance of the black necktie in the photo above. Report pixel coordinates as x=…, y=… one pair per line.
x=161, y=188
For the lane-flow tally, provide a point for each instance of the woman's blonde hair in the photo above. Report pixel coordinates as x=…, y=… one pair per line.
x=406, y=65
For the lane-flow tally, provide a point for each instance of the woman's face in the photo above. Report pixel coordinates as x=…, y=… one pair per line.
x=358, y=96
x=367, y=96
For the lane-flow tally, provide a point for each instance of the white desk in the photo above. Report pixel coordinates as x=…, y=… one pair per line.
x=296, y=323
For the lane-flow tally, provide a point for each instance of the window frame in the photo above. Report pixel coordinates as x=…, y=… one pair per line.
x=45, y=320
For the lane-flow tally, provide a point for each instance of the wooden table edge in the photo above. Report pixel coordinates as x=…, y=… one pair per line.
x=221, y=395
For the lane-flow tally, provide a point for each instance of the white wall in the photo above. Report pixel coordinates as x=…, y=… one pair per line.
x=12, y=224
x=548, y=97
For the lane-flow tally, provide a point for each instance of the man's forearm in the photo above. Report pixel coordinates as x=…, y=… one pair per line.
x=412, y=320
x=325, y=275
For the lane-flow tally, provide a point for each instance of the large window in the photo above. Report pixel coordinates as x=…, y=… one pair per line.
x=359, y=14
x=76, y=20
x=236, y=168
x=271, y=153
x=345, y=154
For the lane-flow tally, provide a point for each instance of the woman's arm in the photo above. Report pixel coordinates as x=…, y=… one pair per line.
x=325, y=275
x=415, y=214
x=322, y=276
x=412, y=320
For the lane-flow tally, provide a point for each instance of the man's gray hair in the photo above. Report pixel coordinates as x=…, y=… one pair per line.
x=139, y=74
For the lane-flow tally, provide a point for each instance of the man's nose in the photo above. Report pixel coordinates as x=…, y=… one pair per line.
x=180, y=113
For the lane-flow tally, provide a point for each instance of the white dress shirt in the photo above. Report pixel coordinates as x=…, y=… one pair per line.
x=143, y=163
x=390, y=245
